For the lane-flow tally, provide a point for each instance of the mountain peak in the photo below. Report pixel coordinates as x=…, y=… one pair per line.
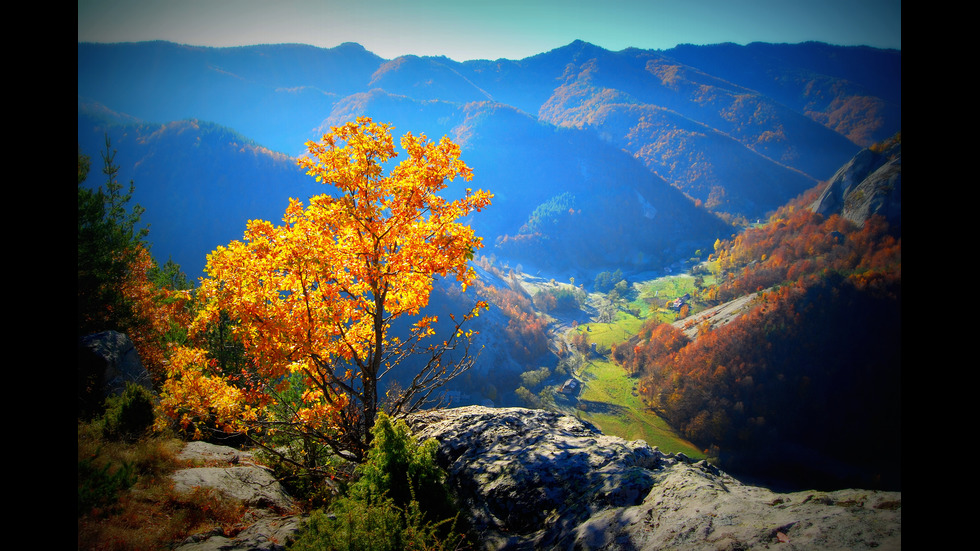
x=575, y=47
x=580, y=45
x=351, y=46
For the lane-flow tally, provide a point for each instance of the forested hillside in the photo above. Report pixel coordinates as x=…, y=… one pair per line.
x=656, y=145
x=807, y=385
x=856, y=92
x=199, y=181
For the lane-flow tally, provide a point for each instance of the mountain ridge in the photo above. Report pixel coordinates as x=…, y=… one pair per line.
x=723, y=145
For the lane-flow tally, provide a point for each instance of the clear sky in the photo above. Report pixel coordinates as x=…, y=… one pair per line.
x=490, y=29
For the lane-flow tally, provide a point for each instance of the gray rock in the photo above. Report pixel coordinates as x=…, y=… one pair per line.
x=868, y=184
x=112, y=355
x=533, y=479
x=879, y=193
x=198, y=451
x=265, y=534
x=234, y=474
x=252, y=485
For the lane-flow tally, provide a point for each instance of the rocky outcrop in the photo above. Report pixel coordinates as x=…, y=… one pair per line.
x=870, y=183
x=270, y=521
x=539, y=480
x=237, y=476
x=531, y=479
x=117, y=359
x=107, y=362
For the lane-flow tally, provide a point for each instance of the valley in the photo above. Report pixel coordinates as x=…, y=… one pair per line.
x=718, y=359
x=605, y=168
x=605, y=394
x=615, y=293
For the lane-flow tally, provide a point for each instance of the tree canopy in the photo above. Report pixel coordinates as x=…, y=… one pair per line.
x=109, y=243
x=313, y=300
x=120, y=286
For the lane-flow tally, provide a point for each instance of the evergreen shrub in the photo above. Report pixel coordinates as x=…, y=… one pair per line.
x=128, y=415
x=398, y=502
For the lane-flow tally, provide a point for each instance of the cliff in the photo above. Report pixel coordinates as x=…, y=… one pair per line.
x=868, y=184
x=532, y=479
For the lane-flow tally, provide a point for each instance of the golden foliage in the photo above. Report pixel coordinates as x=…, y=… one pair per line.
x=314, y=298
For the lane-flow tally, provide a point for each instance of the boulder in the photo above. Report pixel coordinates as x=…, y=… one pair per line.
x=234, y=474
x=868, y=184
x=206, y=452
x=533, y=479
x=252, y=485
x=270, y=521
x=265, y=534
x=107, y=362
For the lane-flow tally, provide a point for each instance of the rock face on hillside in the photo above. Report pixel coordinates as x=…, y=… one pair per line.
x=107, y=362
x=539, y=480
x=115, y=358
x=870, y=183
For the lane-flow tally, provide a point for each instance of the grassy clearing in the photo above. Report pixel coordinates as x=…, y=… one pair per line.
x=668, y=287
x=144, y=512
x=604, y=335
x=629, y=317
x=665, y=288
x=615, y=407
x=609, y=395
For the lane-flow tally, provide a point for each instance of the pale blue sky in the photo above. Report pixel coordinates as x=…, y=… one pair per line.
x=490, y=29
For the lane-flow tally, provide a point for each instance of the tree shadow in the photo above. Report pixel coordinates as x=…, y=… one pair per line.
x=604, y=408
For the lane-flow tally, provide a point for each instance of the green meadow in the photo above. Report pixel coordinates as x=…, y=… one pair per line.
x=609, y=401
x=609, y=398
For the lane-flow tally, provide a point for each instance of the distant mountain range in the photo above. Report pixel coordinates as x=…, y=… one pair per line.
x=633, y=158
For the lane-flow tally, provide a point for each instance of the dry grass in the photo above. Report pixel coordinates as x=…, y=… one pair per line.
x=149, y=515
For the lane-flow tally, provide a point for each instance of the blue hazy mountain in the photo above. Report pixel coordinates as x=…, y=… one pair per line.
x=637, y=144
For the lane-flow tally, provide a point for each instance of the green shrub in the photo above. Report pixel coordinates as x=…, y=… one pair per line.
x=99, y=486
x=128, y=415
x=398, y=502
x=374, y=525
x=535, y=377
x=400, y=468
x=605, y=281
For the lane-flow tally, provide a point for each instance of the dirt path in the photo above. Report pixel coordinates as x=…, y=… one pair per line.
x=718, y=316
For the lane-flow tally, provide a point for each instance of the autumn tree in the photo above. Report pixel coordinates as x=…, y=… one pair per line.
x=581, y=342
x=313, y=301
